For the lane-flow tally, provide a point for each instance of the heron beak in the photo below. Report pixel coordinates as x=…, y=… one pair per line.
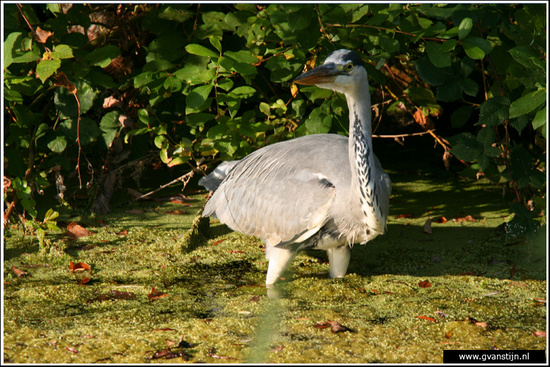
x=319, y=75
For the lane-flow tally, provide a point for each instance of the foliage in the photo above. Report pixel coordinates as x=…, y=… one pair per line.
x=199, y=81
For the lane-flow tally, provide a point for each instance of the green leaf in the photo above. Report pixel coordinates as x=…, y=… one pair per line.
x=58, y=144
x=214, y=41
x=466, y=147
x=300, y=19
x=62, y=52
x=430, y=74
x=161, y=142
x=527, y=103
x=50, y=215
x=439, y=58
x=8, y=48
x=540, y=121
x=143, y=79
x=172, y=84
x=103, y=56
x=359, y=13
x=47, y=68
x=200, y=50
x=243, y=92
x=198, y=98
x=476, y=48
x=448, y=46
x=465, y=27
x=110, y=120
x=143, y=115
x=523, y=223
x=494, y=111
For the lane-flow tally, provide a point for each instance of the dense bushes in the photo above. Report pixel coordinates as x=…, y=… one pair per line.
x=93, y=90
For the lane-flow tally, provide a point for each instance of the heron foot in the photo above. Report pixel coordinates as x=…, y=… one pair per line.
x=338, y=259
x=279, y=259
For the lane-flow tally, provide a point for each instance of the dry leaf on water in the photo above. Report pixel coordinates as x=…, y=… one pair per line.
x=467, y=218
x=155, y=294
x=19, y=273
x=425, y=284
x=79, y=267
x=77, y=230
x=335, y=326
x=168, y=354
x=405, y=215
x=426, y=318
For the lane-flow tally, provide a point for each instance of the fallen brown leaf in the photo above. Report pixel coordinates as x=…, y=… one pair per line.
x=72, y=350
x=441, y=220
x=155, y=294
x=539, y=333
x=217, y=242
x=322, y=325
x=77, y=230
x=79, y=267
x=426, y=318
x=19, y=273
x=336, y=327
x=114, y=294
x=424, y=284
x=448, y=334
x=168, y=354
x=482, y=324
x=124, y=232
x=405, y=215
x=467, y=218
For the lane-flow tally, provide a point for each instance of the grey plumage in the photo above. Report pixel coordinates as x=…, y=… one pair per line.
x=320, y=191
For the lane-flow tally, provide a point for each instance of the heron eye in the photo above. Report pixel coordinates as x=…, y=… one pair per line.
x=349, y=66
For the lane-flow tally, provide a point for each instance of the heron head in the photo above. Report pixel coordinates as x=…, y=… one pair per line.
x=342, y=71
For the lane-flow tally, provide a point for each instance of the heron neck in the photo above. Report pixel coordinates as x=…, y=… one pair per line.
x=360, y=131
x=361, y=156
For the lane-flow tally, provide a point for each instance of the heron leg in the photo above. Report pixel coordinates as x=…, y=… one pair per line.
x=279, y=259
x=338, y=259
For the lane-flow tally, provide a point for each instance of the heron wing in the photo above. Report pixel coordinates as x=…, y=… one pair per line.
x=275, y=194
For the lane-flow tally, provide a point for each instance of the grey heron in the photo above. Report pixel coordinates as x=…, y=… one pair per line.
x=322, y=191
